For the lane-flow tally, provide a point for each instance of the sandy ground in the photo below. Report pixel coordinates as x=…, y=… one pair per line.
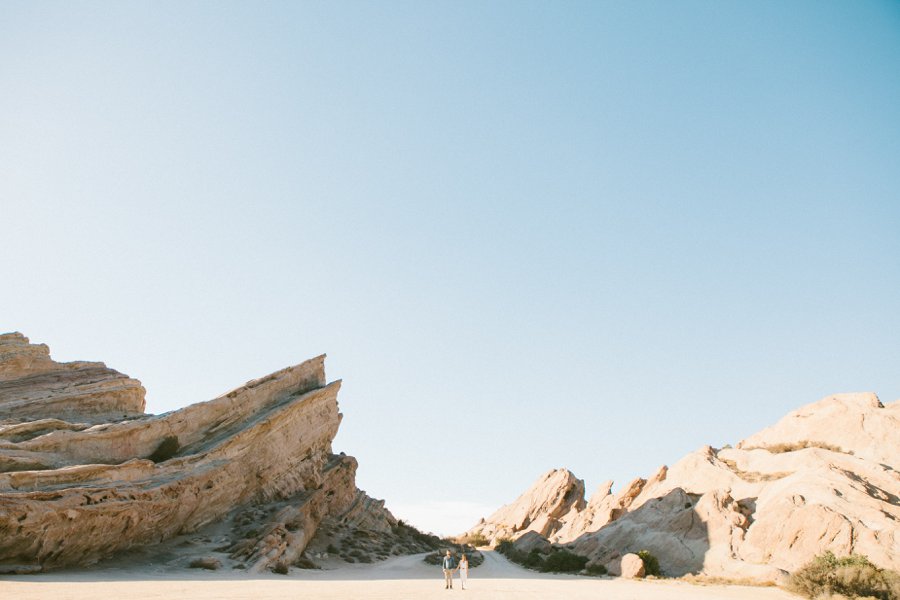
x=398, y=578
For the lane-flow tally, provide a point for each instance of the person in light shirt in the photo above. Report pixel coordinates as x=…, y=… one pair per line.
x=463, y=569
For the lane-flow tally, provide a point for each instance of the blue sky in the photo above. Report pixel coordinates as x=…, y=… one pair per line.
x=528, y=235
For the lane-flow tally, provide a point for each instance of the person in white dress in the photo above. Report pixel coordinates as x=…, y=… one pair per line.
x=463, y=569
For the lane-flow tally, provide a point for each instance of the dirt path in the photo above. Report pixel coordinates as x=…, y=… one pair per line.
x=496, y=566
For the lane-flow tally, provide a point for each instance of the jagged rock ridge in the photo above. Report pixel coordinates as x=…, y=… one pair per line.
x=85, y=474
x=34, y=386
x=556, y=497
x=825, y=477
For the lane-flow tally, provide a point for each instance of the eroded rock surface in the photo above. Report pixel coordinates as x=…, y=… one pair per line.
x=33, y=386
x=258, y=459
x=556, y=497
x=825, y=477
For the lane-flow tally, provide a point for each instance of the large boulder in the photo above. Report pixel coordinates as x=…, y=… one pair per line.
x=532, y=540
x=629, y=566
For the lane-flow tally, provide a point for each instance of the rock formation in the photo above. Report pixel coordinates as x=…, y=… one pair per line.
x=629, y=566
x=84, y=474
x=825, y=477
x=554, y=498
x=33, y=386
x=532, y=541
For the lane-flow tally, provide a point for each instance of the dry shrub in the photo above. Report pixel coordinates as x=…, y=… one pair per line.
x=752, y=476
x=701, y=579
x=851, y=576
x=476, y=539
x=794, y=446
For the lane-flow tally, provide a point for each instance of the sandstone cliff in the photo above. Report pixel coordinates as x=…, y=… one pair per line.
x=825, y=477
x=84, y=474
x=556, y=496
x=33, y=386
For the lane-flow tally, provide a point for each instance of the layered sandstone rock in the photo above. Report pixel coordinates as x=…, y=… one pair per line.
x=823, y=478
x=73, y=491
x=33, y=386
x=556, y=497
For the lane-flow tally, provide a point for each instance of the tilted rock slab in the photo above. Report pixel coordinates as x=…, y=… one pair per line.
x=555, y=497
x=73, y=492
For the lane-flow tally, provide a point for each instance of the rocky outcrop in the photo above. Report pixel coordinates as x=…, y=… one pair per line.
x=853, y=423
x=602, y=508
x=74, y=491
x=556, y=497
x=823, y=478
x=532, y=541
x=33, y=386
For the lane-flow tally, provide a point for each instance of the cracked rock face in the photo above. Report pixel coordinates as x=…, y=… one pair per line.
x=825, y=477
x=84, y=474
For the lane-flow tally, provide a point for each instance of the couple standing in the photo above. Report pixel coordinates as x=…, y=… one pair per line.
x=449, y=570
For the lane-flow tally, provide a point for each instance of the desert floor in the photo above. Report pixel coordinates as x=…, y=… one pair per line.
x=402, y=577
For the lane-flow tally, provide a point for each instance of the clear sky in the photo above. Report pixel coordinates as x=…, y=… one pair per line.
x=527, y=235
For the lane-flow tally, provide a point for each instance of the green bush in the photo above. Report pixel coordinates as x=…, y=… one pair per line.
x=474, y=557
x=651, y=563
x=563, y=561
x=851, y=575
x=532, y=560
x=505, y=547
x=596, y=569
x=559, y=560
